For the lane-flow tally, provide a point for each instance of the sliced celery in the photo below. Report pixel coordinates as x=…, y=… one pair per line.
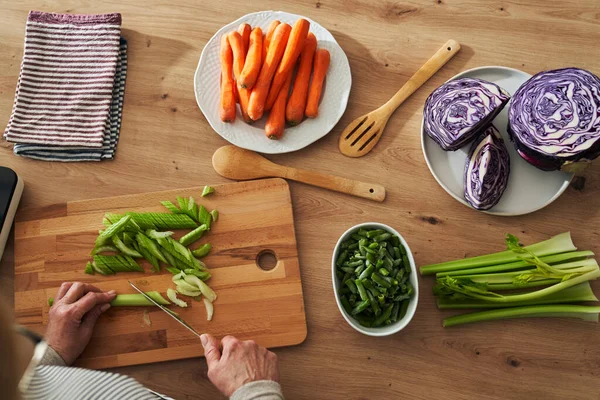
x=204, y=217
x=172, y=295
x=112, y=230
x=171, y=207
x=89, y=269
x=204, y=288
x=210, y=308
x=101, y=269
x=204, y=275
x=173, y=270
x=215, y=215
x=155, y=220
x=190, y=293
x=103, y=249
x=148, y=244
x=207, y=190
x=183, y=284
x=202, y=250
x=124, y=248
x=194, y=235
x=588, y=313
x=561, y=243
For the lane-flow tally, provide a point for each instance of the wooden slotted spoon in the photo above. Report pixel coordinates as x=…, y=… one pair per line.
x=362, y=134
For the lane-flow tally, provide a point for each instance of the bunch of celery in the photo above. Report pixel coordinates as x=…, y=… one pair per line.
x=559, y=273
x=135, y=235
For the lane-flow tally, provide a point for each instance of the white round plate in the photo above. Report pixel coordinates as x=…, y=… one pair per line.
x=252, y=137
x=529, y=189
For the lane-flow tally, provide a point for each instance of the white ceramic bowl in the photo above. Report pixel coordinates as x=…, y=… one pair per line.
x=413, y=279
x=252, y=137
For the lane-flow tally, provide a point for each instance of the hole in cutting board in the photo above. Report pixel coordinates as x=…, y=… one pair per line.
x=267, y=260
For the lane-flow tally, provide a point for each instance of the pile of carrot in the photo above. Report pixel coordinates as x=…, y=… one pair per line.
x=257, y=71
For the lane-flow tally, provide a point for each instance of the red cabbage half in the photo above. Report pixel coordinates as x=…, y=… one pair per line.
x=458, y=110
x=554, y=119
x=486, y=170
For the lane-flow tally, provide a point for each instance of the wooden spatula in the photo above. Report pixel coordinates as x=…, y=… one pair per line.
x=362, y=134
x=239, y=164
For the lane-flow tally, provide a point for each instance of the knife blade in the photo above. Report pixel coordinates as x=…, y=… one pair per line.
x=165, y=309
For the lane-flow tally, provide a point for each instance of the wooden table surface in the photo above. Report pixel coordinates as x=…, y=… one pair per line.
x=166, y=143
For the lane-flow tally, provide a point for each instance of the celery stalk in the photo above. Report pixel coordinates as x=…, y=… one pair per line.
x=519, y=264
x=473, y=290
x=577, y=293
x=132, y=300
x=588, y=313
x=561, y=243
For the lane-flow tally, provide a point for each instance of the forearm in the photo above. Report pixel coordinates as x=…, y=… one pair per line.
x=259, y=390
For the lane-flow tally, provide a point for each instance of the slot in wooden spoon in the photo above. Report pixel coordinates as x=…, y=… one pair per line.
x=362, y=134
x=239, y=164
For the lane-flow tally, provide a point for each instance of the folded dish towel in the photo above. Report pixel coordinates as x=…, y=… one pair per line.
x=69, y=96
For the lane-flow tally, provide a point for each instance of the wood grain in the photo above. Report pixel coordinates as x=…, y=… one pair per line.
x=166, y=144
x=266, y=306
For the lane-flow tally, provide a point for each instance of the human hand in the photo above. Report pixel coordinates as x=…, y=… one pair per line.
x=239, y=363
x=72, y=317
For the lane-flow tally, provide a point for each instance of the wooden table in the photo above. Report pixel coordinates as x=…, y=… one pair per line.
x=166, y=143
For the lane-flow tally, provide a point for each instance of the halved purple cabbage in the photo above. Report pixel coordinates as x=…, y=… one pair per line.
x=458, y=110
x=554, y=119
x=487, y=170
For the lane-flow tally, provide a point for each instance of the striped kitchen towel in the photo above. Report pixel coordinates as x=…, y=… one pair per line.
x=69, y=96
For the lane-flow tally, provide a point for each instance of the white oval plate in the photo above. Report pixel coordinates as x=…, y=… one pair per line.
x=529, y=189
x=252, y=137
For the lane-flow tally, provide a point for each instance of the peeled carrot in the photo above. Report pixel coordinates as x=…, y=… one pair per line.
x=239, y=56
x=244, y=31
x=227, y=107
x=294, y=111
x=260, y=90
x=253, y=60
x=292, y=52
x=270, y=30
x=276, y=121
x=320, y=66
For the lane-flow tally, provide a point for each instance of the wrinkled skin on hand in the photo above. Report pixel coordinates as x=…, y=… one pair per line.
x=232, y=363
x=71, y=320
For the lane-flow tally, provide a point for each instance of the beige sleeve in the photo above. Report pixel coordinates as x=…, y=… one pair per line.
x=259, y=390
x=51, y=357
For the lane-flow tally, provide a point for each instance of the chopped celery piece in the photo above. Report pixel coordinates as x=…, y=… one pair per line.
x=173, y=270
x=124, y=248
x=138, y=299
x=178, y=276
x=152, y=234
x=119, y=263
x=172, y=295
x=112, y=218
x=192, y=208
x=577, y=293
x=207, y=190
x=171, y=207
x=105, y=248
x=204, y=275
x=215, y=215
x=155, y=220
x=89, y=269
x=176, y=249
x=553, y=259
x=202, y=250
x=101, y=269
x=172, y=261
x=183, y=284
x=210, y=309
x=183, y=203
x=112, y=230
x=128, y=239
x=190, y=293
x=204, y=288
x=194, y=235
x=561, y=243
x=204, y=217
x=149, y=257
x=148, y=244
x=587, y=313
x=50, y=301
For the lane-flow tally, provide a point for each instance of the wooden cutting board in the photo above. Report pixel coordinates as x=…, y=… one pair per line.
x=52, y=245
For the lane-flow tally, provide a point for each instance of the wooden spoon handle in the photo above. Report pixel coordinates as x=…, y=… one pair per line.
x=355, y=188
x=441, y=57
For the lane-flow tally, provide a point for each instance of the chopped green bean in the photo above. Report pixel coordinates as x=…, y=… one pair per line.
x=374, y=246
x=380, y=281
x=353, y=264
x=362, y=292
x=382, y=237
x=367, y=272
x=341, y=258
x=374, y=233
x=346, y=304
x=356, y=236
x=350, y=283
x=374, y=304
x=360, y=307
x=383, y=271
